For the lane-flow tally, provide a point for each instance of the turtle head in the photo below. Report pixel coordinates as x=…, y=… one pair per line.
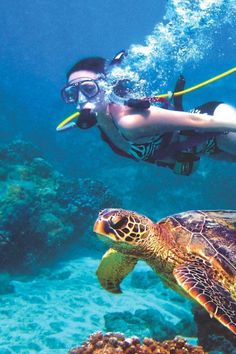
x=122, y=229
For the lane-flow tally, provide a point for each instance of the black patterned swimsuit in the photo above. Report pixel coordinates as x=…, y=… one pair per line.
x=146, y=151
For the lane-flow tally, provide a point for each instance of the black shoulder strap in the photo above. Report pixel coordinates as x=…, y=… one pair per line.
x=178, y=100
x=114, y=148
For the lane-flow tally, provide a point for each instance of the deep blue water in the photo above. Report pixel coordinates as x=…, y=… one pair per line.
x=40, y=40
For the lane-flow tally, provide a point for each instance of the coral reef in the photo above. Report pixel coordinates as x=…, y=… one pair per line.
x=41, y=211
x=111, y=343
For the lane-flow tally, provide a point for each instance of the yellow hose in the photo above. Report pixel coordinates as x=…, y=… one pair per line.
x=204, y=83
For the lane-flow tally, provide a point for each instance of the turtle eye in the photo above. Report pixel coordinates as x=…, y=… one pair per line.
x=116, y=222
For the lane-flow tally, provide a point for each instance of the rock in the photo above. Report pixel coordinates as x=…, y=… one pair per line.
x=5, y=284
x=19, y=151
x=41, y=168
x=42, y=213
x=212, y=335
x=145, y=279
x=149, y=322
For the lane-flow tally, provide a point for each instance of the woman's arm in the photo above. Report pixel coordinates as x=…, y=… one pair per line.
x=157, y=120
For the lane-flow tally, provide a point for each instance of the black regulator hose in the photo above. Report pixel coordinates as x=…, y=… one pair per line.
x=137, y=103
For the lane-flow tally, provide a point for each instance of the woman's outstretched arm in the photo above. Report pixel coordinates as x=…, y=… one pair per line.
x=156, y=120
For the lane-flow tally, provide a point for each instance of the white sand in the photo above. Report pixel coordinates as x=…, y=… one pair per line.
x=57, y=311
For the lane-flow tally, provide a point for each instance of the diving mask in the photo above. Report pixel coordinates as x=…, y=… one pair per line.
x=88, y=87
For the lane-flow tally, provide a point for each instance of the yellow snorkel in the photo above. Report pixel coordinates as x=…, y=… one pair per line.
x=68, y=124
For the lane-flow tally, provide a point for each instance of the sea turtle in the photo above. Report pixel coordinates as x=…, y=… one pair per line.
x=193, y=252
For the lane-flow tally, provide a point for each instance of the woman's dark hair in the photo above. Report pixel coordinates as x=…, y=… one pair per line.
x=94, y=64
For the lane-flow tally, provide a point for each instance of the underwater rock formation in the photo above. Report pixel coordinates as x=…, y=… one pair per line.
x=41, y=211
x=149, y=322
x=111, y=343
x=212, y=335
x=165, y=314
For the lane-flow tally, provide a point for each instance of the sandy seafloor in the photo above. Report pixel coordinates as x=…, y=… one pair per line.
x=62, y=306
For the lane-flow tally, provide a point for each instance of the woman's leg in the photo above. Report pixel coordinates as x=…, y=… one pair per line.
x=225, y=113
x=227, y=143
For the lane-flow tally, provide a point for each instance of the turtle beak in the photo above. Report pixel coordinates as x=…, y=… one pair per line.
x=101, y=225
x=102, y=229
x=98, y=227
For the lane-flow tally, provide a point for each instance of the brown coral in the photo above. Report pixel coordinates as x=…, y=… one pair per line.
x=114, y=343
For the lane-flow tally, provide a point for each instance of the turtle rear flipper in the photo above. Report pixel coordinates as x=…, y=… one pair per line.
x=196, y=278
x=113, y=268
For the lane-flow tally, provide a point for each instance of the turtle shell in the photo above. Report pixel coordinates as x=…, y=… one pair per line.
x=209, y=234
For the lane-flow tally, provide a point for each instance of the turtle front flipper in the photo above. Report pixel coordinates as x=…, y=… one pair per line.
x=197, y=279
x=113, y=268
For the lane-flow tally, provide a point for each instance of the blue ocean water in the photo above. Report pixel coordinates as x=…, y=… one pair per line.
x=49, y=307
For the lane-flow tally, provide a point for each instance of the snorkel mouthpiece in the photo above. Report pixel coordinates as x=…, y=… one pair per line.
x=87, y=119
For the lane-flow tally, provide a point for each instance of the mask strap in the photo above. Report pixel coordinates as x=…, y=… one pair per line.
x=118, y=57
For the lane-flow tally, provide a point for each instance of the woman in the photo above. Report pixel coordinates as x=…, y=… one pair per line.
x=166, y=137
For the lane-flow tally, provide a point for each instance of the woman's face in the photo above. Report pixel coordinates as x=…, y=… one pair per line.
x=90, y=94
